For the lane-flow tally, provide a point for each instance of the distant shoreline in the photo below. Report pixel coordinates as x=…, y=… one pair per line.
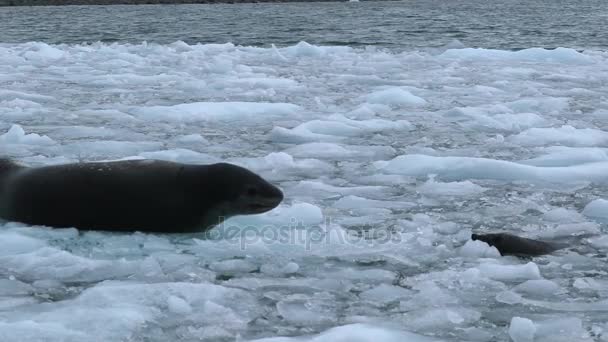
x=14, y=3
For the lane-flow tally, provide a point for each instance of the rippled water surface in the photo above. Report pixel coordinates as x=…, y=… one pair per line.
x=501, y=24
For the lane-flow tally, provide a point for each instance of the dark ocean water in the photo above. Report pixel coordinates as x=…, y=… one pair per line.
x=502, y=24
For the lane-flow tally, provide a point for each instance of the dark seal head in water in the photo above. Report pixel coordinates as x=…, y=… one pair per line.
x=143, y=195
x=508, y=244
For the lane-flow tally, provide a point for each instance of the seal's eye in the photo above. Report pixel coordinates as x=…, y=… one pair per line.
x=252, y=191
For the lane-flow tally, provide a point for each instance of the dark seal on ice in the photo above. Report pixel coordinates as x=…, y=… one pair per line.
x=130, y=195
x=508, y=244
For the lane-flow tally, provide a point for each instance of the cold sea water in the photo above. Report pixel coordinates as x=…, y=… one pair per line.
x=395, y=129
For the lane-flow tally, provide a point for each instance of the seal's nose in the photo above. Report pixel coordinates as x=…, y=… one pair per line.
x=270, y=196
x=277, y=194
x=474, y=237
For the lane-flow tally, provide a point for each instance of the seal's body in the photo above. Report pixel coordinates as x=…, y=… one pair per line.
x=508, y=244
x=143, y=195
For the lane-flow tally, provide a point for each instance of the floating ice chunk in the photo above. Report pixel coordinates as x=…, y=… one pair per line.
x=571, y=229
x=41, y=53
x=206, y=333
x=13, y=244
x=110, y=148
x=510, y=272
x=192, y=139
x=563, y=215
x=575, y=306
x=567, y=156
x=125, y=307
x=454, y=44
x=509, y=297
x=178, y=306
x=356, y=202
x=478, y=249
x=29, y=330
x=369, y=111
x=17, y=104
x=435, y=188
x=565, y=135
x=278, y=54
x=149, y=269
x=600, y=242
x=234, y=266
x=447, y=227
x=319, y=150
x=384, y=179
x=50, y=263
x=299, y=135
x=332, y=128
x=597, y=209
x=559, y=55
x=9, y=287
x=367, y=275
x=459, y=168
x=79, y=132
x=358, y=332
x=217, y=111
x=280, y=160
x=181, y=155
x=562, y=330
x=280, y=270
x=306, y=312
x=372, y=217
x=16, y=135
x=308, y=283
x=306, y=213
x=549, y=105
x=586, y=284
x=315, y=188
x=336, y=129
x=538, y=288
x=374, y=125
x=181, y=46
x=303, y=49
x=437, y=318
x=264, y=82
x=522, y=330
x=339, y=152
x=280, y=165
x=494, y=117
x=395, y=97
x=384, y=293
x=509, y=122
x=104, y=115
x=19, y=108
x=10, y=303
x=429, y=295
x=293, y=216
x=283, y=163
x=7, y=94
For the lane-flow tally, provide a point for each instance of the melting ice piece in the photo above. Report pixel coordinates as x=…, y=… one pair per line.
x=522, y=330
x=356, y=333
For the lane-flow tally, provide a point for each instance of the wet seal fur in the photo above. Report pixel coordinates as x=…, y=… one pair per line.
x=508, y=244
x=132, y=195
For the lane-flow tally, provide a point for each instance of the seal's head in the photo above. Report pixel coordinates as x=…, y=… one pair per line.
x=490, y=239
x=246, y=192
